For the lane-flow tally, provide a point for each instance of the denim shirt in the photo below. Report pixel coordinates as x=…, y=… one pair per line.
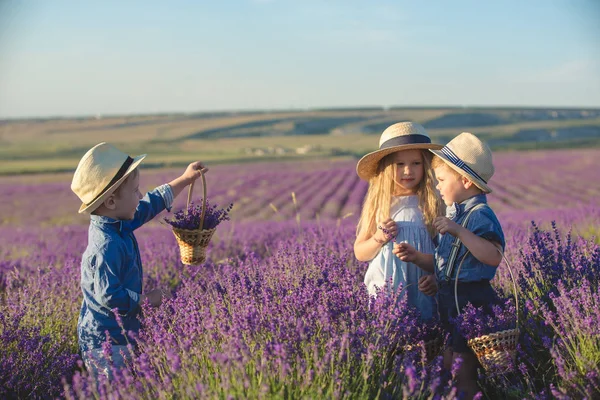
x=483, y=223
x=112, y=273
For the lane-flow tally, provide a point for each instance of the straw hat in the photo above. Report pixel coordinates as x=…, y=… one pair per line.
x=470, y=157
x=99, y=173
x=400, y=136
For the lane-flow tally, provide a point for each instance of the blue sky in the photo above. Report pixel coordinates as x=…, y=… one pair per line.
x=119, y=57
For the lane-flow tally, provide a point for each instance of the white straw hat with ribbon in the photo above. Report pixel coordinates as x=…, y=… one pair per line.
x=99, y=173
x=399, y=136
x=470, y=157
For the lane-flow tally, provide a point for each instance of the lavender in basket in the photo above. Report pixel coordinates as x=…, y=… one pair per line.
x=476, y=321
x=213, y=217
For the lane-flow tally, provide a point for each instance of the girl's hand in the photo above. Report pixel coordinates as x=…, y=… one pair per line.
x=192, y=172
x=386, y=231
x=405, y=252
x=428, y=285
x=446, y=225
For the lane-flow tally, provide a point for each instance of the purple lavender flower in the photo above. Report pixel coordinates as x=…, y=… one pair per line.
x=191, y=221
x=388, y=233
x=477, y=321
x=283, y=312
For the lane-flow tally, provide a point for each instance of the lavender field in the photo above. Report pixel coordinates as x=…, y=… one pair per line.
x=279, y=309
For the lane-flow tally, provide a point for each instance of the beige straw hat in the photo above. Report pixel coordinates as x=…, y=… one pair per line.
x=400, y=136
x=99, y=173
x=470, y=157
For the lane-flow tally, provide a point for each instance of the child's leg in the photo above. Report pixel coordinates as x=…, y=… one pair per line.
x=448, y=353
x=466, y=374
x=97, y=364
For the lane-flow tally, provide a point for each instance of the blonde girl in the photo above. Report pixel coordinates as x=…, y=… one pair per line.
x=400, y=206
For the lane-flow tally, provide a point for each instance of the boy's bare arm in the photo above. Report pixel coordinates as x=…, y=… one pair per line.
x=482, y=249
x=191, y=173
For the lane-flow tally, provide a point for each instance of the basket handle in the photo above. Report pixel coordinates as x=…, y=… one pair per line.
x=516, y=293
x=189, y=200
x=404, y=287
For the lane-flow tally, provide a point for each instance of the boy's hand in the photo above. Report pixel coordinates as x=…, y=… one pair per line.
x=155, y=297
x=428, y=285
x=405, y=252
x=166, y=294
x=446, y=225
x=386, y=231
x=192, y=172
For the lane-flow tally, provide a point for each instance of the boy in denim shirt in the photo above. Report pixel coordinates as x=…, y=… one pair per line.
x=463, y=168
x=107, y=182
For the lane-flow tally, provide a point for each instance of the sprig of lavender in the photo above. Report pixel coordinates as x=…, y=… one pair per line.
x=476, y=321
x=213, y=216
x=388, y=233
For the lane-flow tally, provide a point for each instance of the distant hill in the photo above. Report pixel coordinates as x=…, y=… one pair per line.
x=503, y=127
x=56, y=143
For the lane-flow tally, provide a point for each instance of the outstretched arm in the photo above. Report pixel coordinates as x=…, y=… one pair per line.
x=162, y=197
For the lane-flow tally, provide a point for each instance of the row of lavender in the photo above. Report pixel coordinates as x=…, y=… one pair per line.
x=530, y=181
x=280, y=311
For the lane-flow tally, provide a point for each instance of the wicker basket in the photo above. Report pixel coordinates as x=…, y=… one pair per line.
x=193, y=243
x=433, y=348
x=497, y=351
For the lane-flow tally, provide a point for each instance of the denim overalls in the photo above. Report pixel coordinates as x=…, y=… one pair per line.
x=474, y=278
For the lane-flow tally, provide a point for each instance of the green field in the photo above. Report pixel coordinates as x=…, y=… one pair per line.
x=51, y=145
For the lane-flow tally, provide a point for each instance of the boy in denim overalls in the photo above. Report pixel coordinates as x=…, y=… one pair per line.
x=107, y=183
x=463, y=168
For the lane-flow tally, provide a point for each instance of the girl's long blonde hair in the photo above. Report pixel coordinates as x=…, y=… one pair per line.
x=378, y=201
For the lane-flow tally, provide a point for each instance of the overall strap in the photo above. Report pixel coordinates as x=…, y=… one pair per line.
x=457, y=243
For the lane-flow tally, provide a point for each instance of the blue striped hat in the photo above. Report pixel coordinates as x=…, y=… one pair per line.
x=470, y=157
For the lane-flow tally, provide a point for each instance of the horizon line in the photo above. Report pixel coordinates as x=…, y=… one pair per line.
x=286, y=110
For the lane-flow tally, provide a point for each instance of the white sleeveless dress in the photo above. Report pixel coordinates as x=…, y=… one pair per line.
x=387, y=269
